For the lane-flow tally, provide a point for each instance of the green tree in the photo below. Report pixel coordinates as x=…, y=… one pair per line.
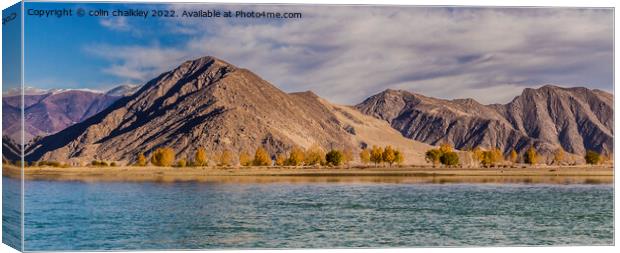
x=433, y=156
x=163, y=157
x=200, y=158
x=530, y=156
x=141, y=160
x=365, y=156
x=449, y=159
x=376, y=155
x=334, y=157
x=400, y=158
x=261, y=157
x=592, y=157
x=389, y=155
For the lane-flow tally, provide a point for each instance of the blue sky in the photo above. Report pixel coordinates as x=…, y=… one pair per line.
x=342, y=53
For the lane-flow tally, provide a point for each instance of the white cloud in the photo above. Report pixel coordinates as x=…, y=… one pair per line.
x=348, y=53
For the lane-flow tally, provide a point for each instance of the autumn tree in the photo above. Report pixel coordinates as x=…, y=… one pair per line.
x=141, y=160
x=365, y=156
x=225, y=158
x=245, y=159
x=592, y=157
x=163, y=157
x=334, y=157
x=296, y=157
x=514, y=157
x=376, y=155
x=315, y=156
x=200, y=158
x=558, y=156
x=261, y=157
x=445, y=148
x=182, y=162
x=530, y=156
x=477, y=154
x=281, y=159
x=347, y=156
x=389, y=155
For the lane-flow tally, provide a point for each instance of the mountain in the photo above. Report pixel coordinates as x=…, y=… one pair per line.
x=210, y=103
x=548, y=118
x=123, y=90
x=51, y=112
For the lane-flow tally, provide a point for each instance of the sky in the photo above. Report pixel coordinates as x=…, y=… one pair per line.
x=343, y=53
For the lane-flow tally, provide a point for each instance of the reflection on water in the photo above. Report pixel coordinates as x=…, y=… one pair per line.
x=63, y=215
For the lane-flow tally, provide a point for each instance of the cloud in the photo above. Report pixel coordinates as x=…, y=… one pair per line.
x=348, y=53
x=115, y=23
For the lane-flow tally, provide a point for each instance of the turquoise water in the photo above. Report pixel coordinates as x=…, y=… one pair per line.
x=100, y=216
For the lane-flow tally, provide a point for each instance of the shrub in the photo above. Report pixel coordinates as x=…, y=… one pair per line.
x=297, y=157
x=113, y=164
x=245, y=159
x=449, y=158
x=365, y=156
x=592, y=157
x=200, y=158
x=334, y=157
x=376, y=155
x=163, y=157
x=261, y=157
x=141, y=160
x=530, y=156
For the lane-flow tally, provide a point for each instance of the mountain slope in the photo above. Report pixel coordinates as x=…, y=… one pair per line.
x=575, y=119
x=212, y=104
x=51, y=112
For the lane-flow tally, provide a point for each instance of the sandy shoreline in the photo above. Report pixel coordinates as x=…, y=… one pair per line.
x=584, y=174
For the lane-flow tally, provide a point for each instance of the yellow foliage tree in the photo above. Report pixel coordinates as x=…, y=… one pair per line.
x=558, y=156
x=315, y=155
x=365, y=156
x=376, y=155
x=389, y=155
x=445, y=148
x=261, y=157
x=182, y=162
x=225, y=158
x=245, y=159
x=514, y=157
x=200, y=158
x=347, y=156
x=530, y=156
x=141, y=160
x=281, y=160
x=163, y=157
x=297, y=157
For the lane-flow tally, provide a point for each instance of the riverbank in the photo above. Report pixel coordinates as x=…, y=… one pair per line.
x=579, y=174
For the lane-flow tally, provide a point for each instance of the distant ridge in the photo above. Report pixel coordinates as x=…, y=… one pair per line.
x=548, y=118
